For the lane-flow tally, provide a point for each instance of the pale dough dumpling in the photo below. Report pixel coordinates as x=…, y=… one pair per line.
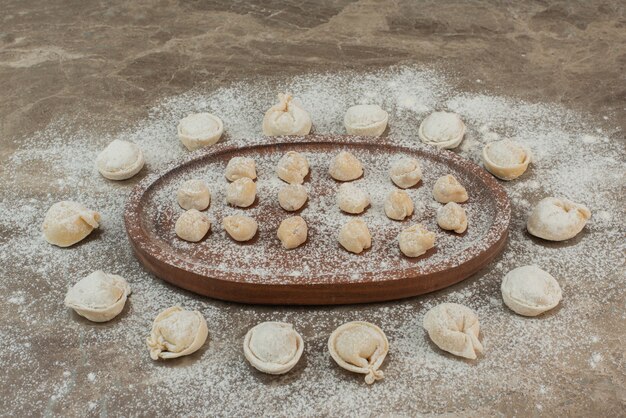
x=241, y=193
x=530, y=291
x=273, y=347
x=67, y=223
x=240, y=228
x=286, y=118
x=405, y=172
x=293, y=167
x=194, y=194
x=199, y=130
x=359, y=347
x=99, y=297
x=442, y=129
x=345, y=167
x=416, y=240
x=506, y=159
x=120, y=160
x=352, y=199
x=240, y=167
x=454, y=328
x=292, y=232
x=557, y=219
x=176, y=333
x=366, y=120
x=192, y=225
x=398, y=205
x=292, y=197
x=448, y=189
x=452, y=217
x=354, y=236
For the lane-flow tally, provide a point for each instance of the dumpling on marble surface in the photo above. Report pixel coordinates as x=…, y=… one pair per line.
x=177, y=332
x=442, y=129
x=506, y=159
x=200, y=130
x=286, y=117
x=557, y=219
x=67, y=223
x=366, y=120
x=99, y=297
x=530, y=291
x=273, y=347
x=120, y=160
x=454, y=328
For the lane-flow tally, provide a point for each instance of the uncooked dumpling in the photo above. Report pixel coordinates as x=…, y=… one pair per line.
x=405, y=172
x=556, y=219
x=241, y=193
x=273, y=347
x=293, y=167
x=352, y=199
x=240, y=228
x=506, y=159
x=286, y=118
x=452, y=217
x=365, y=120
x=120, y=160
x=442, y=129
x=240, y=167
x=194, y=194
x=354, y=236
x=454, y=328
x=199, y=130
x=359, y=347
x=192, y=225
x=177, y=332
x=530, y=291
x=448, y=189
x=98, y=297
x=416, y=240
x=67, y=223
x=292, y=197
x=398, y=205
x=345, y=167
x=292, y=232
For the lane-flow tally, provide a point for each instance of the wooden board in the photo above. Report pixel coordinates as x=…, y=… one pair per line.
x=320, y=271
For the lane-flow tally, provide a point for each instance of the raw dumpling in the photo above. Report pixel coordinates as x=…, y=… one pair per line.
x=67, y=223
x=448, y=189
x=194, y=194
x=199, y=130
x=292, y=232
x=366, y=120
x=240, y=228
x=506, y=159
x=176, y=333
x=286, y=118
x=241, y=193
x=120, y=160
x=354, y=236
x=352, y=199
x=359, y=347
x=240, y=167
x=442, y=129
x=98, y=297
x=530, y=291
x=405, y=172
x=556, y=219
x=293, y=167
x=192, y=225
x=292, y=197
x=416, y=240
x=452, y=217
x=345, y=167
x=273, y=347
x=398, y=205
x=454, y=328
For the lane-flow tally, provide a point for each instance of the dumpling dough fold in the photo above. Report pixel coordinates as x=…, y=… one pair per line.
x=286, y=118
x=177, y=332
x=454, y=328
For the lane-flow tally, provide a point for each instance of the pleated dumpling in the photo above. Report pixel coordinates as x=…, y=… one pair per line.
x=99, y=297
x=67, y=223
x=448, y=189
x=454, y=328
x=286, y=118
x=273, y=347
x=557, y=219
x=177, y=332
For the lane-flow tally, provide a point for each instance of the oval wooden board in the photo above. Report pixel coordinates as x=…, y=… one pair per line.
x=320, y=271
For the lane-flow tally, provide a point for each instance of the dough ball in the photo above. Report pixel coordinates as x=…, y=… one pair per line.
x=286, y=118
x=240, y=228
x=366, y=120
x=454, y=328
x=292, y=197
x=67, y=223
x=398, y=205
x=448, y=189
x=98, y=297
x=354, y=236
x=240, y=167
x=293, y=167
x=452, y=217
x=352, y=199
x=199, y=130
x=557, y=219
x=405, y=172
x=176, y=333
x=530, y=291
x=241, y=193
x=506, y=159
x=292, y=232
x=194, y=194
x=192, y=225
x=120, y=160
x=442, y=129
x=416, y=240
x=345, y=167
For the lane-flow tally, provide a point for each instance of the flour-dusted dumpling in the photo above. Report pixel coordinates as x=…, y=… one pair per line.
x=448, y=189
x=273, y=347
x=293, y=167
x=452, y=217
x=99, y=297
x=67, y=223
x=120, y=160
x=345, y=167
x=442, y=129
x=286, y=117
x=292, y=232
x=194, y=194
x=506, y=159
x=359, y=347
x=405, y=172
x=416, y=240
x=398, y=205
x=176, y=333
x=366, y=120
x=292, y=197
x=240, y=167
x=352, y=199
x=199, y=130
x=557, y=219
x=530, y=291
x=241, y=193
x=240, y=228
x=454, y=328
x=354, y=236
x=192, y=225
